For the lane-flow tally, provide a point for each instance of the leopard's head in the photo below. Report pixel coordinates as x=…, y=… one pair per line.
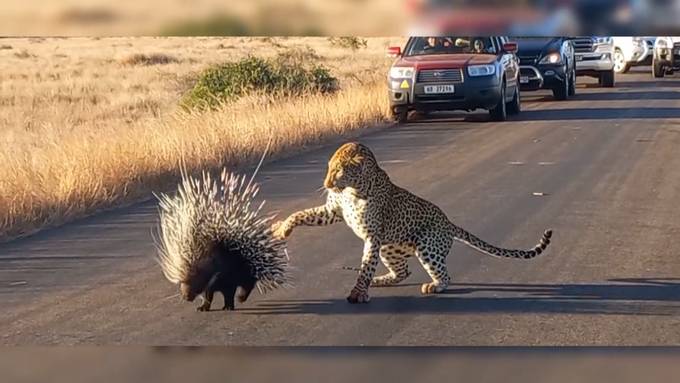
x=352, y=165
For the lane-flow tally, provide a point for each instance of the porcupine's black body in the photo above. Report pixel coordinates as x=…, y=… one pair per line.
x=228, y=271
x=213, y=238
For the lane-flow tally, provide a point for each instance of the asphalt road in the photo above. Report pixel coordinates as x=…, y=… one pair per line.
x=607, y=162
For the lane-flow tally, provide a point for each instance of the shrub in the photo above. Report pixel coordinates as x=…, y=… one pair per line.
x=148, y=59
x=299, y=56
x=284, y=75
x=351, y=42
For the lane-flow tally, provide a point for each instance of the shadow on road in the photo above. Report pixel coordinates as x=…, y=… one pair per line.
x=648, y=84
x=614, y=96
x=598, y=114
x=630, y=296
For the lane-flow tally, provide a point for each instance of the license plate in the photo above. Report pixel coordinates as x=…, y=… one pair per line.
x=579, y=58
x=435, y=89
x=524, y=79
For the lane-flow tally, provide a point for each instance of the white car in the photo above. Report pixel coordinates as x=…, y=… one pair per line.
x=666, y=59
x=595, y=58
x=632, y=51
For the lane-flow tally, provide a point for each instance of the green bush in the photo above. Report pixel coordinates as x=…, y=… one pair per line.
x=289, y=74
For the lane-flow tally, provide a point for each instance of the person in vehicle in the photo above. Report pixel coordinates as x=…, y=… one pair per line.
x=478, y=46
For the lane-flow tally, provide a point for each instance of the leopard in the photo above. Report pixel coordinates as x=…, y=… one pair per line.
x=394, y=224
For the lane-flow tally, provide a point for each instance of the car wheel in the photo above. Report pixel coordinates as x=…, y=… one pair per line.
x=499, y=112
x=657, y=69
x=620, y=64
x=607, y=79
x=572, y=83
x=561, y=92
x=515, y=105
x=400, y=116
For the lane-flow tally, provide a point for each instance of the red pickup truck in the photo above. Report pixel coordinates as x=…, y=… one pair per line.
x=455, y=73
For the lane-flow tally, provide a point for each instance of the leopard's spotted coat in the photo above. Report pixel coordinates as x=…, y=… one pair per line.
x=394, y=224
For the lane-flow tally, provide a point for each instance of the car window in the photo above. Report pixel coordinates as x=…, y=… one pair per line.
x=450, y=44
x=529, y=39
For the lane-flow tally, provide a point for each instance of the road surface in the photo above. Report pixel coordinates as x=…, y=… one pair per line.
x=607, y=166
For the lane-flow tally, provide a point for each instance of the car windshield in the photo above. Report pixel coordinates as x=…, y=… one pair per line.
x=544, y=40
x=434, y=45
x=538, y=39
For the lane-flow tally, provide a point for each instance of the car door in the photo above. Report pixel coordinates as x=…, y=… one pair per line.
x=510, y=64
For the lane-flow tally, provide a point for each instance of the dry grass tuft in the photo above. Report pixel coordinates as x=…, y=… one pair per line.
x=23, y=54
x=149, y=59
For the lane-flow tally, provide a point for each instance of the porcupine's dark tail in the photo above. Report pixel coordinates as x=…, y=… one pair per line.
x=471, y=240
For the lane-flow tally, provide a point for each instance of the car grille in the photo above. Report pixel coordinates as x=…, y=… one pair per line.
x=583, y=45
x=440, y=75
x=528, y=60
x=527, y=72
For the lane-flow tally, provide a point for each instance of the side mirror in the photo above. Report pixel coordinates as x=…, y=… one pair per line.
x=394, y=51
x=510, y=47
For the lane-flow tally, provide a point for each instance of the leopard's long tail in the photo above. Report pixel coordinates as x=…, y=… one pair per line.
x=471, y=240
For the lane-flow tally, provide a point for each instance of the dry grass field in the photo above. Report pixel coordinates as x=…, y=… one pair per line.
x=91, y=123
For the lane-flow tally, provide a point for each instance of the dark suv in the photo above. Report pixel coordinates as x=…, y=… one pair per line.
x=455, y=73
x=547, y=63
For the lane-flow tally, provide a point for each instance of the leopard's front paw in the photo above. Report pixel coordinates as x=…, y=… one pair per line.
x=358, y=296
x=281, y=230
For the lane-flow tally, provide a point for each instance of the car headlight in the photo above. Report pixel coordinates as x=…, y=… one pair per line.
x=552, y=58
x=401, y=72
x=481, y=70
x=603, y=40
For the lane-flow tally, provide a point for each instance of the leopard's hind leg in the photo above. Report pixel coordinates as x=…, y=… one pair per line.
x=395, y=260
x=432, y=248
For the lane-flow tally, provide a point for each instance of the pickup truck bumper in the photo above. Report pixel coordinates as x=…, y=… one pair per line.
x=541, y=77
x=470, y=94
x=588, y=64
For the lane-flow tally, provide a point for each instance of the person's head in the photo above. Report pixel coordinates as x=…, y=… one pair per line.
x=478, y=45
x=432, y=41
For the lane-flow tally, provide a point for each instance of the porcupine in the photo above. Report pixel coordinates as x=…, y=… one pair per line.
x=212, y=239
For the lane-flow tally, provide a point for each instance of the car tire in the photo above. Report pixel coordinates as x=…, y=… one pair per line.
x=400, y=116
x=572, y=83
x=620, y=64
x=515, y=106
x=607, y=79
x=561, y=92
x=499, y=112
x=657, y=69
